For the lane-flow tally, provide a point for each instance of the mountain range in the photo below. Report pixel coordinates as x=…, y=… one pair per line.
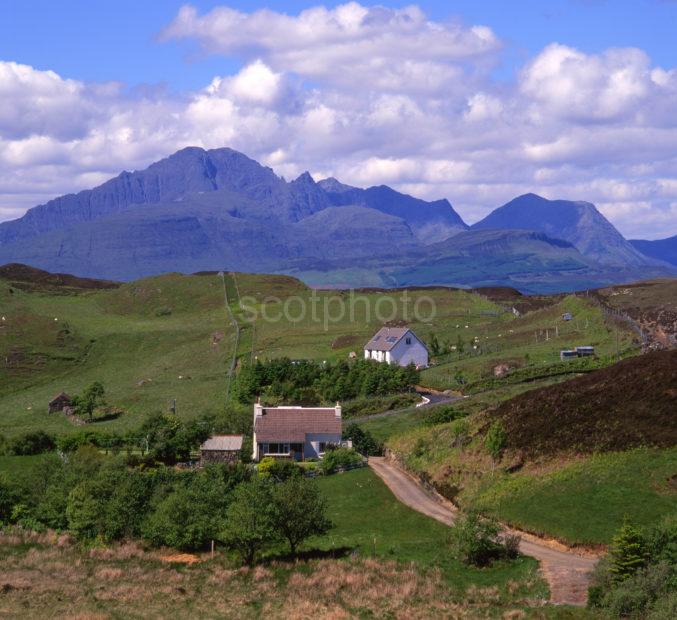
x=202, y=210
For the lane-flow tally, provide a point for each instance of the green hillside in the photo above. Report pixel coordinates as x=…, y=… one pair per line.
x=171, y=337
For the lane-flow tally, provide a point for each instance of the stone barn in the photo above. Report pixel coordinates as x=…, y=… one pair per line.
x=221, y=449
x=59, y=402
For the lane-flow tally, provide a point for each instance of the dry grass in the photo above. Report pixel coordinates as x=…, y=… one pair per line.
x=45, y=578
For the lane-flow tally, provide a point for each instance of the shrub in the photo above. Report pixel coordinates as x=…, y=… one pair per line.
x=341, y=457
x=442, y=415
x=495, y=440
x=8, y=499
x=278, y=470
x=474, y=540
x=363, y=441
x=35, y=442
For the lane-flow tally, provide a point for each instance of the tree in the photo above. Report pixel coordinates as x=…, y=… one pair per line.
x=300, y=511
x=93, y=397
x=250, y=519
x=628, y=552
x=84, y=511
x=495, y=440
x=434, y=345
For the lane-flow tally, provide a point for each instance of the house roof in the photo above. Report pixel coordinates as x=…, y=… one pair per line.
x=291, y=424
x=223, y=442
x=60, y=396
x=387, y=337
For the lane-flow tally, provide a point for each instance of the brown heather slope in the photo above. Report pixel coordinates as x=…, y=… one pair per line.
x=632, y=403
x=29, y=278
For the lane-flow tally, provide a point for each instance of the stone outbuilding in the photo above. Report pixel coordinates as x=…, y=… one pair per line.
x=221, y=449
x=59, y=402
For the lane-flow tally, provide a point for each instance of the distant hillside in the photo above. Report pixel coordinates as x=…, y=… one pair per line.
x=527, y=260
x=661, y=249
x=578, y=222
x=629, y=404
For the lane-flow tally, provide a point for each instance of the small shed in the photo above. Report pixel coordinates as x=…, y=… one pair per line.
x=585, y=350
x=567, y=354
x=221, y=449
x=60, y=401
x=567, y=316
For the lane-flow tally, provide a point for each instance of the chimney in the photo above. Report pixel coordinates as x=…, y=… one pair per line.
x=258, y=409
x=337, y=410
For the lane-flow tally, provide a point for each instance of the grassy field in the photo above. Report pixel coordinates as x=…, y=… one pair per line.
x=372, y=521
x=170, y=337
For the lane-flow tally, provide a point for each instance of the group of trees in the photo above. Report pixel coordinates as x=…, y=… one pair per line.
x=96, y=497
x=638, y=578
x=162, y=438
x=309, y=382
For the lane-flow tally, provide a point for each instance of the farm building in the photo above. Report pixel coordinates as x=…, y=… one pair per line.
x=221, y=449
x=586, y=350
x=397, y=345
x=296, y=433
x=567, y=354
x=60, y=401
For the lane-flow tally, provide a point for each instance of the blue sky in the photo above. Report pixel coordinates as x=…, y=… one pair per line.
x=117, y=40
x=474, y=101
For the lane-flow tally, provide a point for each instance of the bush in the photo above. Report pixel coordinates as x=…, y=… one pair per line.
x=340, y=457
x=278, y=470
x=363, y=441
x=495, y=440
x=638, y=579
x=442, y=415
x=474, y=540
x=35, y=442
x=8, y=499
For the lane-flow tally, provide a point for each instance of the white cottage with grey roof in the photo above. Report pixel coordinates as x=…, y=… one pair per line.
x=397, y=345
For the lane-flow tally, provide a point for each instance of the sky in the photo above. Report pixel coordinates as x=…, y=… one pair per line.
x=474, y=101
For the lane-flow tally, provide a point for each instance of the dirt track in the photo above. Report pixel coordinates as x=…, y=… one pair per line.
x=566, y=572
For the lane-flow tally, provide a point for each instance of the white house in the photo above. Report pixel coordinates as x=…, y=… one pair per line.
x=296, y=433
x=397, y=345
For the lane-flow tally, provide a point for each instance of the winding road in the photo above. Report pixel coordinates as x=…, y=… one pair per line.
x=566, y=572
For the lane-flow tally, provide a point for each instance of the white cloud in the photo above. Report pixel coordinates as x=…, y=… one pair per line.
x=370, y=95
x=389, y=47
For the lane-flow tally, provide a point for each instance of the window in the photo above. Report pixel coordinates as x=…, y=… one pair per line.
x=276, y=448
x=408, y=340
x=327, y=445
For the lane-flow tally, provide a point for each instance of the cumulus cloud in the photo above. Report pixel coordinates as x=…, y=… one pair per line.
x=389, y=47
x=370, y=95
